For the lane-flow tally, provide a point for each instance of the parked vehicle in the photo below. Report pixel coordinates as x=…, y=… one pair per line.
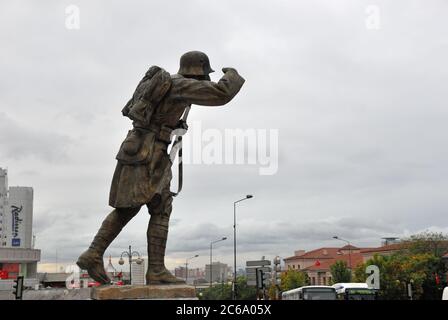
x=445, y=294
x=93, y=284
x=355, y=291
x=310, y=293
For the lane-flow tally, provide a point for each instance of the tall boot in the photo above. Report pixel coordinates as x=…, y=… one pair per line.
x=92, y=259
x=157, y=235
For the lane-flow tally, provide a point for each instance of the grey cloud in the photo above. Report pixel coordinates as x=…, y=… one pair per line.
x=19, y=141
x=265, y=235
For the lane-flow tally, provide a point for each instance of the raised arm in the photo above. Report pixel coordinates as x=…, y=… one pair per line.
x=208, y=93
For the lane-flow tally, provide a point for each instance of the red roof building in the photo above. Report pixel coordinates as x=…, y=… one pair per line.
x=316, y=263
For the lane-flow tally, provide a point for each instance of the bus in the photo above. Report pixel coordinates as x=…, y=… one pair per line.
x=355, y=291
x=310, y=293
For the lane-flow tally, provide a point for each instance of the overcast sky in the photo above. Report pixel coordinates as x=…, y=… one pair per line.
x=360, y=106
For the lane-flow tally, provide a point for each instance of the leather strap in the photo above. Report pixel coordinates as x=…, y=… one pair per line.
x=177, y=149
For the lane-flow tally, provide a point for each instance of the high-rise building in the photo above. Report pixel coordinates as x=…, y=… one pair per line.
x=218, y=272
x=193, y=273
x=20, y=205
x=3, y=206
x=17, y=255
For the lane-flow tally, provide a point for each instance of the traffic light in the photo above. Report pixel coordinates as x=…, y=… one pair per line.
x=262, y=279
x=265, y=279
x=259, y=279
x=18, y=288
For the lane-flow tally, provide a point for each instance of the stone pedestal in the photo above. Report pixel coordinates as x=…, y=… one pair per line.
x=156, y=292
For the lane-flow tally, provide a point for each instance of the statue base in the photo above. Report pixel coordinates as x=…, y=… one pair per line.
x=150, y=292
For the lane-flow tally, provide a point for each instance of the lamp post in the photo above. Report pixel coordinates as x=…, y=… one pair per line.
x=234, y=244
x=130, y=253
x=349, y=250
x=186, y=266
x=211, y=250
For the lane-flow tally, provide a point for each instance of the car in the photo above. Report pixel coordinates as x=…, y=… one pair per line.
x=93, y=284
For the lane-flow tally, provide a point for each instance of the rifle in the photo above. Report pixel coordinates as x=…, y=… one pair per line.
x=177, y=148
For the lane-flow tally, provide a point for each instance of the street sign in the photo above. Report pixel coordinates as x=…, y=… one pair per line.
x=257, y=273
x=254, y=282
x=256, y=263
x=253, y=269
x=258, y=278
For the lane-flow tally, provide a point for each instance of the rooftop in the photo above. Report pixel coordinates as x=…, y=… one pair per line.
x=354, y=259
x=325, y=253
x=321, y=253
x=389, y=247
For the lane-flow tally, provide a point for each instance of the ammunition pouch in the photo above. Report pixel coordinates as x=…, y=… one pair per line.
x=138, y=147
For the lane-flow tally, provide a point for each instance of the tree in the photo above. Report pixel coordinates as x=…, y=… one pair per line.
x=245, y=292
x=224, y=291
x=435, y=243
x=272, y=292
x=292, y=279
x=340, y=272
x=402, y=268
x=217, y=292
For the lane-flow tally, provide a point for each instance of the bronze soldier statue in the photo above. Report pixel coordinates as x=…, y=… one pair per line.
x=143, y=172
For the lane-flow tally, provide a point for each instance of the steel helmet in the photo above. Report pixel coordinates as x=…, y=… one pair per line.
x=195, y=63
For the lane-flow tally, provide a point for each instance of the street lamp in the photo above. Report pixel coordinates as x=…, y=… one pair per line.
x=211, y=249
x=130, y=253
x=186, y=266
x=234, y=244
x=349, y=250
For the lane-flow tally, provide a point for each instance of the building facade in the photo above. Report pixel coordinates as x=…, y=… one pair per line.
x=317, y=263
x=193, y=274
x=17, y=253
x=218, y=272
x=385, y=250
x=3, y=207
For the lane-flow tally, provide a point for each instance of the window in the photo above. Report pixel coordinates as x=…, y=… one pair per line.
x=293, y=266
x=324, y=281
x=313, y=280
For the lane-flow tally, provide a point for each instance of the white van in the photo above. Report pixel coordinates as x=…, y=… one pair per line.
x=445, y=294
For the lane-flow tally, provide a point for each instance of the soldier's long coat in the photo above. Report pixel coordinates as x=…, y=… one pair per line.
x=134, y=185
